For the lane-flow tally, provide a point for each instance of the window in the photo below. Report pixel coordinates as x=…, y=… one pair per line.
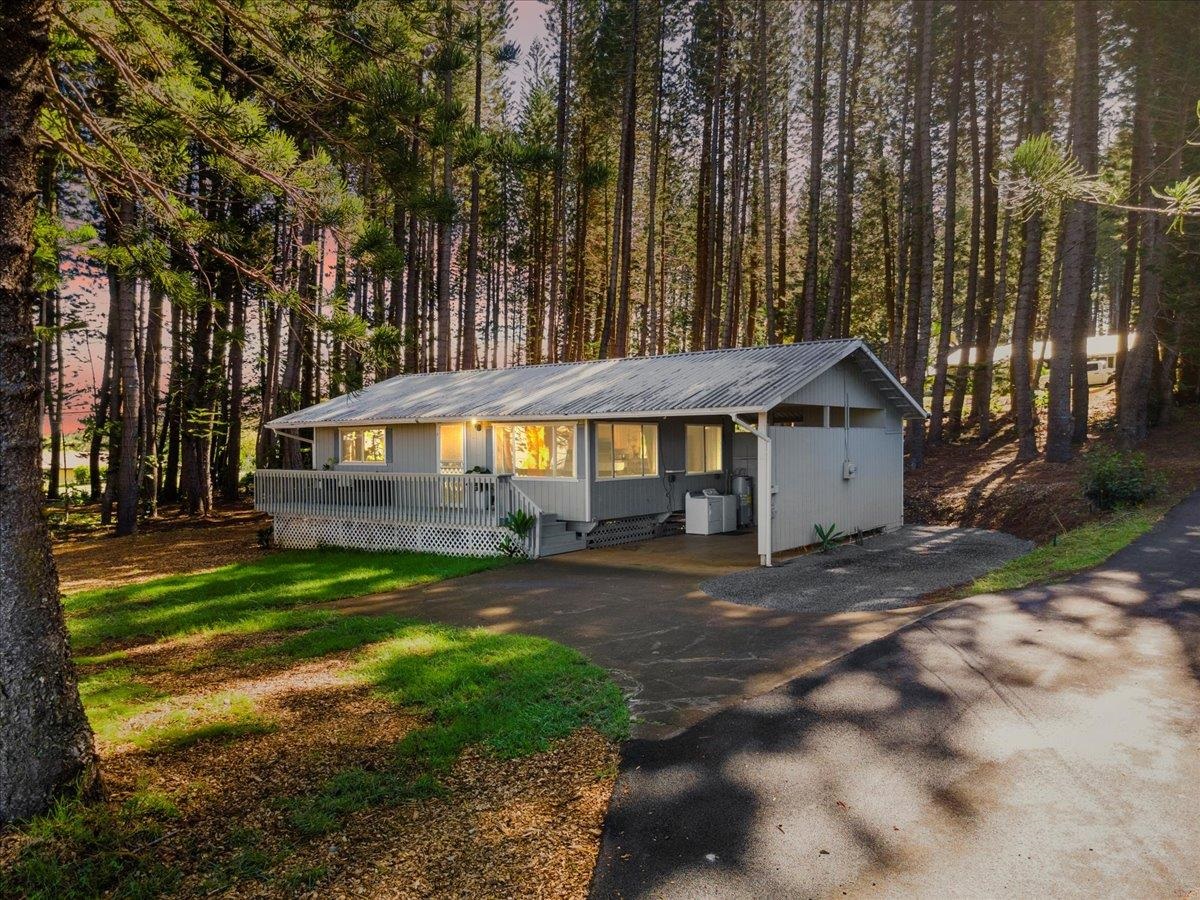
x=534, y=451
x=363, y=445
x=451, y=438
x=704, y=449
x=626, y=450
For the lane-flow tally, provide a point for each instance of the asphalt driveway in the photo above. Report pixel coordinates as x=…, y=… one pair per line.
x=679, y=653
x=1037, y=743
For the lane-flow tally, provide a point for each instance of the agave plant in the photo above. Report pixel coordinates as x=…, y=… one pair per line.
x=829, y=536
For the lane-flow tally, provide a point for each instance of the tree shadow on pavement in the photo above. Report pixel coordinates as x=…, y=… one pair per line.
x=1031, y=741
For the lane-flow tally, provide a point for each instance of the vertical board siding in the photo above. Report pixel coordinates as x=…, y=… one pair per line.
x=832, y=387
x=412, y=448
x=325, y=448
x=811, y=490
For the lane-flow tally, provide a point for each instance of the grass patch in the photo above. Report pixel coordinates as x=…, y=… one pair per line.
x=512, y=694
x=245, y=598
x=350, y=791
x=1075, y=550
x=81, y=850
x=221, y=717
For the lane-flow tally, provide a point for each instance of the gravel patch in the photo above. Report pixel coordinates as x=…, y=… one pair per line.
x=887, y=572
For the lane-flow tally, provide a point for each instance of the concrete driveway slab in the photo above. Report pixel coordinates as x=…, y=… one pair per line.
x=887, y=571
x=639, y=611
x=1037, y=743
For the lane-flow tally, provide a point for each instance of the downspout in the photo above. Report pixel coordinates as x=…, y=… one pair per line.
x=764, y=502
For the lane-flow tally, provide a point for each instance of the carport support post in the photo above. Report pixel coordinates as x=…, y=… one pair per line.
x=765, y=485
x=766, y=480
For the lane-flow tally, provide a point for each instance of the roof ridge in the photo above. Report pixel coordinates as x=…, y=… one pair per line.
x=586, y=362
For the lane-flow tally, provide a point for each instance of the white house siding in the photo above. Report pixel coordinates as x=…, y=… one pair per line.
x=811, y=490
x=832, y=387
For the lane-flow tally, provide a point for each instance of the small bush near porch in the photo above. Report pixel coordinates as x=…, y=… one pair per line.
x=255, y=743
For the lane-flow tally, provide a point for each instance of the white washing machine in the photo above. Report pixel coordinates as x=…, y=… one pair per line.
x=709, y=512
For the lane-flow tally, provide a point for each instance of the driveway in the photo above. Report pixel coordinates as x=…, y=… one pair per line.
x=678, y=653
x=1037, y=743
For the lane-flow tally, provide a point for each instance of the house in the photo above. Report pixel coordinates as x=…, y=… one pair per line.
x=599, y=452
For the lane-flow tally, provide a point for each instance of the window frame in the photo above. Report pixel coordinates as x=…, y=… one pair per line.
x=574, y=431
x=463, y=427
x=360, y=431
x=704, y=429
x=658, y=468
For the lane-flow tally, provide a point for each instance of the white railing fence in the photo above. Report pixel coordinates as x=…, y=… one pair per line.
x=399, y=498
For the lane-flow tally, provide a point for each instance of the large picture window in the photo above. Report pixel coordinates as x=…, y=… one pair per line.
x=534, y=451
x=363, y=445
x=626, y=450
x=704, y=449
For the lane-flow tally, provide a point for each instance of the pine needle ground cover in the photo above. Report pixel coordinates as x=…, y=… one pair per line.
x=255, y=744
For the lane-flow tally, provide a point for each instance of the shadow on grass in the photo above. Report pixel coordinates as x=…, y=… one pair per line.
x=252, y=597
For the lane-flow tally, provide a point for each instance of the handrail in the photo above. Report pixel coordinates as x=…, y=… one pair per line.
x=518, y=499
x=469, y=500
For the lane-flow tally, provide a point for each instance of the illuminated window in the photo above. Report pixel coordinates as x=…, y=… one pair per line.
x=534, y=451
x=703, y=449
x=626, y=450
x=451, y=438
x=363, y=445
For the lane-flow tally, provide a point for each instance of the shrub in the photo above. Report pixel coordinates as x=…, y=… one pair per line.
x=1114, y=478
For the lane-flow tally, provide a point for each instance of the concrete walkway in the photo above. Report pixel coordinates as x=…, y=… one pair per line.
x=639, y=611
x=1038, y=743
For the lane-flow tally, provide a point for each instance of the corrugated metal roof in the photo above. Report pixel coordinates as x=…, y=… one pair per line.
x=743, y=379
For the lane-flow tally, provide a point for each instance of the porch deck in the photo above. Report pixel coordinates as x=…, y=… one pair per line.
x=457, y=514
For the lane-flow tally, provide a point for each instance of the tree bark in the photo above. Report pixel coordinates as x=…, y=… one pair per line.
x=1031, y=259
x=128, y=462
x=470, y=350
x=764, y=125
x=946, y=313
x=46, y=748
x=807, y=313
x=1078, y=242
x=921, y=285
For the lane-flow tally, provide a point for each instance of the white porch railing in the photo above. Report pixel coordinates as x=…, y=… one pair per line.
x=399, y=498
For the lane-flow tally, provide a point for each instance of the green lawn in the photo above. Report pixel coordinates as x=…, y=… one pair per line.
x=511, y=694
x=1073, y=551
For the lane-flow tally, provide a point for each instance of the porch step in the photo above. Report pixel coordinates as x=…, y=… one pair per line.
x=557, y=538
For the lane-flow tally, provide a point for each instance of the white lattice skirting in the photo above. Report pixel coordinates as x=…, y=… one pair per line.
x=305, y=532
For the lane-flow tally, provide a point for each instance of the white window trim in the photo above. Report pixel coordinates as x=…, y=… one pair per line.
x=574, y=476
x=363, y=462
x=657, y=449
x=704, y=425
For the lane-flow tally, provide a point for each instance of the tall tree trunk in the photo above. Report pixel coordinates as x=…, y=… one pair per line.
x=921, y=285
x=764, y=126
x=839, y=275
x=151, y=378
x=46, y=748
x=1136, y=394
x=1031, y=258
x=469, y=349
x=445, y=219
x=128, y=462
x=1078, y=242
x=650, y=300
x=963, y=369
x=807, y=313
x=988, y=316
x=946, y=313
x=628, y=165
x=1138, y=160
